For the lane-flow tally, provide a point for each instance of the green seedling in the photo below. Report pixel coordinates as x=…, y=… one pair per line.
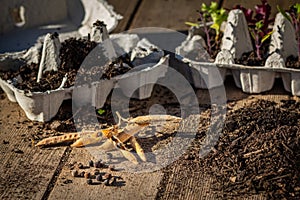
x=217, y=16
x=100, y=111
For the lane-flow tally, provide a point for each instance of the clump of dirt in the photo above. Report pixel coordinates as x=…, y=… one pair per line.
x=259, y=151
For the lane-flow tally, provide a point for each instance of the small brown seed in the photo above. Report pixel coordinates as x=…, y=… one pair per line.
x=87, y=175
x=74, y=173
x=99, y=177
x=96, y=172
x=80, y=165
x=91, y=163
x=107, y=176
x=98, y=164
x=82, y=174
x=111, y=167
x=112, y=181
x=106, y=182
x=89, y=181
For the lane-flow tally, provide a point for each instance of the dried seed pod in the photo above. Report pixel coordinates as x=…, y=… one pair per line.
x=89, y=181
x=107, y=176
x=74, y=173
x=99, y=177
x=91, y=163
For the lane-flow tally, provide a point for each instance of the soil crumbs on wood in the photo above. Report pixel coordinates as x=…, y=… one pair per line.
x=258, y=153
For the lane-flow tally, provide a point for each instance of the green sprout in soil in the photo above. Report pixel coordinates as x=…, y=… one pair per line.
x=294, y=18
x=259, y=24
x=217, y=16
x=259, y=37
x=100, y=111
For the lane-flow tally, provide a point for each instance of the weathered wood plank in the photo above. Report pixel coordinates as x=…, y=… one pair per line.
x=131, y=186
x=126, y=9
x=25, y=171
x=168, y=14
x=196, y=187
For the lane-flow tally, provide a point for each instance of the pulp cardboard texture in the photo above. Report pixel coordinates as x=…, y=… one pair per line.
x=236, y=41
x=150, y=66
x=205, y=74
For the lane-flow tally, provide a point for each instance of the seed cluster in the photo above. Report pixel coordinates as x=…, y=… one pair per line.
x=92, y=173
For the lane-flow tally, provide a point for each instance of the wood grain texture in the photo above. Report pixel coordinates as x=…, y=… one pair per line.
x=25, y=171
x=167, y=13
x=198, y=187
x=126, y=9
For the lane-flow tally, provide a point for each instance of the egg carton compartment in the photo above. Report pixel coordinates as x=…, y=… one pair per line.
x=149, y=64
x=235, y=42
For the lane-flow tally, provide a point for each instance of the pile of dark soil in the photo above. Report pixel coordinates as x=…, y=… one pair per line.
x=72, y=54
x=258, y=153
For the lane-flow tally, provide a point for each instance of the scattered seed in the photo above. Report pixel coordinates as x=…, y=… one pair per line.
x=106, y=182
x=91, y=163
x=107, y=176
x=5, y=142
x=98, y=164
x=96, y=172
x=87, y=175
x=99, y=177
x=80, y=165
x=74, y=173
x=112, y=181
x=89, y=181
x=82, y=174
x=111, y=167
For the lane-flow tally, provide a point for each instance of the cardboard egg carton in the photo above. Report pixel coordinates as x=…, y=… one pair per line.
x=208, y=73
